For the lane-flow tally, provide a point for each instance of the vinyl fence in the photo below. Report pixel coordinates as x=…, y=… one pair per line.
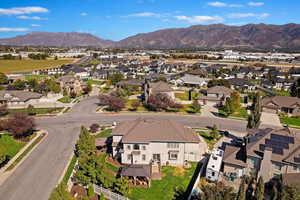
x=108, y=194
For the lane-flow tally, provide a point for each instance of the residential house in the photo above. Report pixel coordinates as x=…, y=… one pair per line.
x=281, y=104
x=268, y=153
x=19, y=98
x=145, y=140
x=132, y=83
x=159, y=87
x=70, y=84
x=192, y=81
x=242, y=84
x=215, y=96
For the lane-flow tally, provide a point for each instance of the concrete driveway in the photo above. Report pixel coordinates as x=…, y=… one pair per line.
x=270, y=119
x=209, y=111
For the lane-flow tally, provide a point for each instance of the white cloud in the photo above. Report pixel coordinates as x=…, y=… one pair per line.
x=35, y=25
x=200, y=19
x=256, y=3
x=144, y=14
x=23, y=10
x=31, y=17
x=248, y=15
x=83, y=14
x=222, y=4
x=5, y=29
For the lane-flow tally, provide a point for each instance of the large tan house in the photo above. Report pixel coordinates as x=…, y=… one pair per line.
x=282, y=104
x=268, y=153
x=70, y=84
x=159, y=87
x=146, y=140
x=215, y=96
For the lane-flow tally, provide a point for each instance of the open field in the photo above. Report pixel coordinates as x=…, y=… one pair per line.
x=27, y=65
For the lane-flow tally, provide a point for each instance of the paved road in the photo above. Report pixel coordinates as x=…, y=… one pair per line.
x=39, y=173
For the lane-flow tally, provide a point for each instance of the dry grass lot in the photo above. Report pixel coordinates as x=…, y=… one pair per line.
x=28, y=65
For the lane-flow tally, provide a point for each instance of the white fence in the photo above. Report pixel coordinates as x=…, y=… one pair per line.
x=108, y=194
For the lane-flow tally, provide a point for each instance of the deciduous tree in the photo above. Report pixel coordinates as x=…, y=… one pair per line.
x=20, y=124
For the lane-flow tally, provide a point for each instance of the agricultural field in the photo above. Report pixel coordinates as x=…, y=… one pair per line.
x=28, y=65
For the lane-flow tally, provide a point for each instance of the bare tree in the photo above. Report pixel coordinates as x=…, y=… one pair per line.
x=20, y=124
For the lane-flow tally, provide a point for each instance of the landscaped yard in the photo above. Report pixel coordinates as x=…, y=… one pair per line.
x=240, y=114
x=104, y=134
x=9, y=145
x=209, y=138
x=290, y=121
x=35, y=76
x=185, y=96
x=28, y=65
x=94, y=82
x=130, y=108
x=37, y=110
x=282, y=93
x=164, y=189
x=65, y=99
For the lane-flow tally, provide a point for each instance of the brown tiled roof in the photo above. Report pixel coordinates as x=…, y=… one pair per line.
x=160, y=86
x=234, y=155
x=281, y=101
x=291, y=179
x=18, y=95
x=219, y=90
x=288, y=155
x=145, y=130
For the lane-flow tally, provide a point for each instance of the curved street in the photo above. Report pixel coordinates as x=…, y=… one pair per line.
x=35, y=178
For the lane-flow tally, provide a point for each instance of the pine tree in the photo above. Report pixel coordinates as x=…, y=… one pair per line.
x=242, y=193
x=274, y=193
x=254, y=118
x=260, y=189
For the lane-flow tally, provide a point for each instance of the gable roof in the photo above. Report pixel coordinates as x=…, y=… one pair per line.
x=160, y=86
x=192, y=79
x=240, y=82
x=281, y=101
x=264, y=138
x=145, y=130
x=131, y=82
x=219, y=90
x=18, y=95
x=234, y=155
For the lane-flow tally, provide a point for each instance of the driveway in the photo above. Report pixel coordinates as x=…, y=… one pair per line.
x=270, y=119
x=209, y=111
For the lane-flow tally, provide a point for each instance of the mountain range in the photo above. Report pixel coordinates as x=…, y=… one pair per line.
x=250, y=36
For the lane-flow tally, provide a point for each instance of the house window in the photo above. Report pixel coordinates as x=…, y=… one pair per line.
x=128, y=147
x=173, y=156
x=136, y=147
x=144, y=147
x=143, y=157
x=129, y=157
x=173, y=145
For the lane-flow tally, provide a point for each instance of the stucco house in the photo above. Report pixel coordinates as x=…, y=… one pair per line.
x=145, y=140
x=192, y=81
x=268, y=153
x=159, y=87
x=215, y=96
x=19, y=98
x=281, y=104
x=70, y=84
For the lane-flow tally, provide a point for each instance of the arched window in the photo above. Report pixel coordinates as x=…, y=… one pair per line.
x=136, y=147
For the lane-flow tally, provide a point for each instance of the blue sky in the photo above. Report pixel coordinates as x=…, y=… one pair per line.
x=117, y=19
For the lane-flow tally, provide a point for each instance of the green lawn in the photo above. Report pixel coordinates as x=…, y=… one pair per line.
x=185, y=96
x=94, y=82
x=65, y=99
x=28, y=64
x=131, y=101
x=35, y=76
x=10, y=146
x=291, y=121
x=70, y=169
x=164, y=189
x=37, y=110
x=104, y=134
x=210, y=139
x=105, y=90
x=108, y=165
x=240, y=114
x=282, y=93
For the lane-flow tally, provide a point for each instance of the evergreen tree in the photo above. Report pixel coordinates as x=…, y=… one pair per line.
x=260, y=189
x=31, y=110
x=256, y=108
x=274, y=193
x=122, y=186
x=85, y=144
x=60, y=193
x=295, y=89
x=242, y=193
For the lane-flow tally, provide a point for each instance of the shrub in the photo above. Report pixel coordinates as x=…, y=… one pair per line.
x=94, y=128
x=31, y=110
x=20, y=124
x=135, y=105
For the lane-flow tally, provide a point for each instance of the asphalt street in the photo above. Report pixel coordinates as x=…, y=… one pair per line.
x=35, y=178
